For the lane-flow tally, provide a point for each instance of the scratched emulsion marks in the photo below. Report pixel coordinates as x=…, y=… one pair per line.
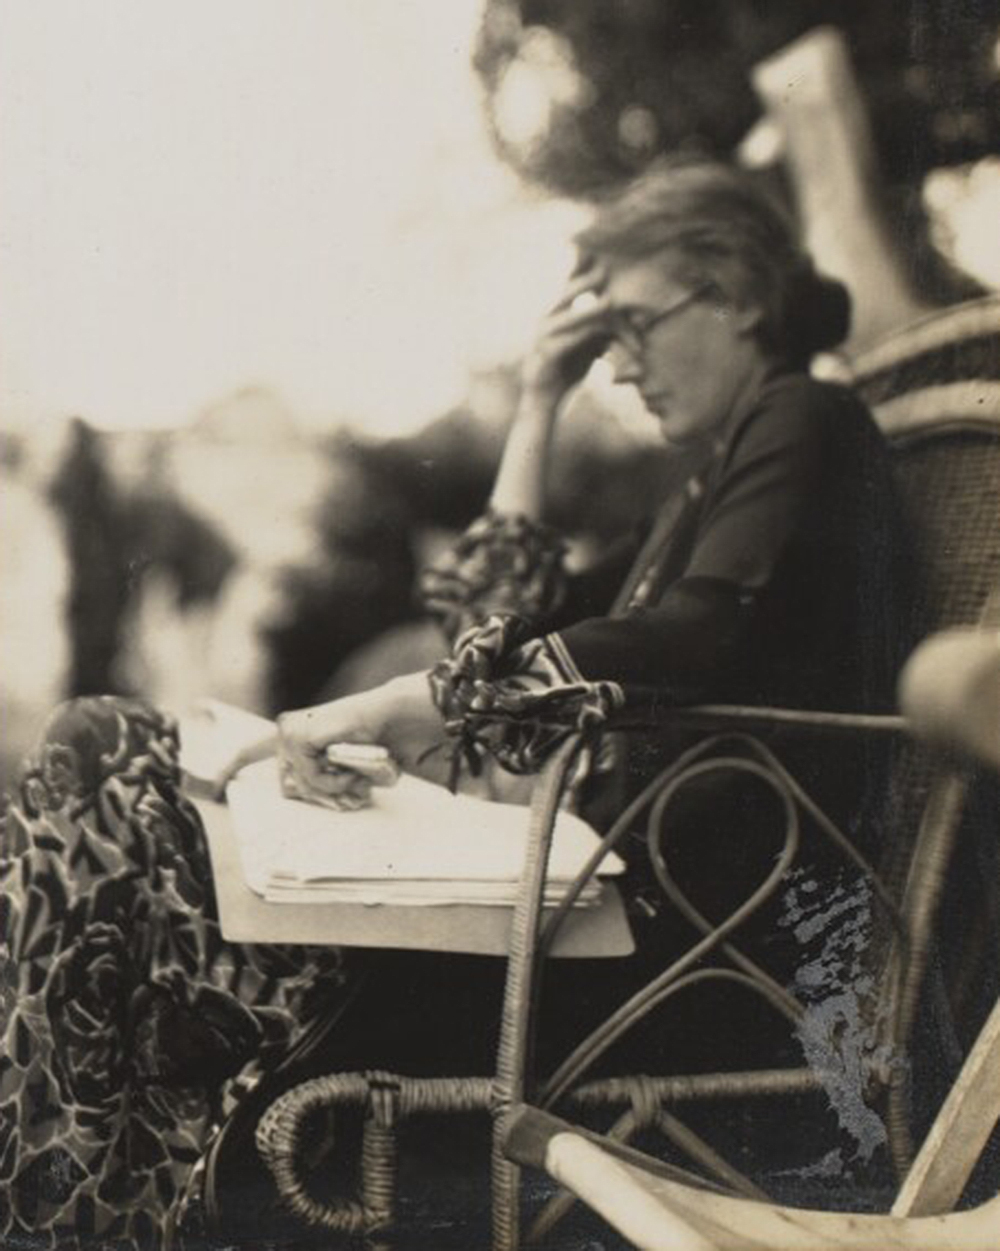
x=832, y=926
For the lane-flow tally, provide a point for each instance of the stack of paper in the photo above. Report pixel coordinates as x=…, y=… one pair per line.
x=212, y=734
x=417, y=844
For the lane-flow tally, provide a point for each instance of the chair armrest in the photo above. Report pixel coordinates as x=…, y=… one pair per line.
x=654, y=1212
x=649, y=708
x=590, y=1166
x=528, y=1131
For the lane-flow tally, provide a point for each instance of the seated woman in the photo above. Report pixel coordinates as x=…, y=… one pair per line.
x=130, y=1026
x=776, y=575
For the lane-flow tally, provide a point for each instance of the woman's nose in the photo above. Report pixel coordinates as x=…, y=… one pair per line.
x=625, y=365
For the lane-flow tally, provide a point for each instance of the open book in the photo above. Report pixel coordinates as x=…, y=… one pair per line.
x=416, y=844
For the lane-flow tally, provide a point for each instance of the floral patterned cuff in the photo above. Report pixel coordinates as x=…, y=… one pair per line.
x=501, y=564
x=514, y=702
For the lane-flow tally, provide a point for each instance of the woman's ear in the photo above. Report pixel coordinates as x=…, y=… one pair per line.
x=746, y=320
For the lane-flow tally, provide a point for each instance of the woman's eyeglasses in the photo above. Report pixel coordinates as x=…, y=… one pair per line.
x=631, y=330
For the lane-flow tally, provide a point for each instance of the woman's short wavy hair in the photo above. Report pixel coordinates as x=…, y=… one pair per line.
x=722, y=230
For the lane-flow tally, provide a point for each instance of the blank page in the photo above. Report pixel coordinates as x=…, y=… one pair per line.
x=414, y=830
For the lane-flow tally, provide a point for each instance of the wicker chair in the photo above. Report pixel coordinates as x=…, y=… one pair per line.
x=935, y=389
x=950, y=689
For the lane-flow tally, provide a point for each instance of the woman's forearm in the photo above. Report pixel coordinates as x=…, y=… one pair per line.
x=571, y=335
x=520, y=485
x=400, y=706
x=412, y=727
x=409, y=705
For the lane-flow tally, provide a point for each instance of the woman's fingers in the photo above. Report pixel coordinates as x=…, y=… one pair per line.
x=304, y=760
x=566, y=329
x=312, y=774
x=587, y=310
x=563, y=340
x=591, y=279
x=570, y=340
x=306, y=733
x=355, y=793
x=248, y=755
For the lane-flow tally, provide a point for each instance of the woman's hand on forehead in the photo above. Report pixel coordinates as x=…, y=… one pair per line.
x=575, y=332
x=588, y=279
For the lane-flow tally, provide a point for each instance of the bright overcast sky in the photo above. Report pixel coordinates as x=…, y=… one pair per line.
x=204, y=195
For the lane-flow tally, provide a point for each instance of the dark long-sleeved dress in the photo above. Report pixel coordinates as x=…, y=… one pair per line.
x=130, y=1027
x=779, y=574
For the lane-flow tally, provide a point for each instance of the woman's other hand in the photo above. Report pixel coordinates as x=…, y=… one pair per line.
x=306, y=733
x=399, y=715
x=264, y=747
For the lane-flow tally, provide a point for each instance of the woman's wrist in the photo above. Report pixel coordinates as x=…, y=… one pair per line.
x=519, y=488
x=538, y=407
x=405, y=701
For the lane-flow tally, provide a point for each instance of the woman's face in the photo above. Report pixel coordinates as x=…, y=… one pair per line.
x=691, y=355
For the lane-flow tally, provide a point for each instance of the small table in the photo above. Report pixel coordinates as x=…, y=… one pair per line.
x=597, y=931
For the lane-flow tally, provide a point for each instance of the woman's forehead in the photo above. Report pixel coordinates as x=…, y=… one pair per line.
x=647, y=282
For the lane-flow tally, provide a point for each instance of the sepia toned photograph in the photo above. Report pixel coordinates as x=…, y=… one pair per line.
x=499, y=625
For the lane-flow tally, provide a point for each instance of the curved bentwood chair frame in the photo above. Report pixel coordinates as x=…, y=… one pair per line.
x=935, y=391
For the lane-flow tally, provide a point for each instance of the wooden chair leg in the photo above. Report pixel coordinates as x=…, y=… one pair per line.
x=959, y=1133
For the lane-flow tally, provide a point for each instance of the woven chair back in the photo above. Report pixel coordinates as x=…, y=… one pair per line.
x=935, y=391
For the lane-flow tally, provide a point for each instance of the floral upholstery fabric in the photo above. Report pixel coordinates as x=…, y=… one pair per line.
x=128, y=1023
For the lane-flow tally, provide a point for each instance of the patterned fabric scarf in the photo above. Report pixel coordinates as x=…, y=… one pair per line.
x=128, y=1023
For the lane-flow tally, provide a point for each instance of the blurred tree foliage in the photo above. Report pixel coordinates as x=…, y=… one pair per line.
x=113, y=539
x=90, y=511
x=581, y=93
x=359, y=584
x=603, y=481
